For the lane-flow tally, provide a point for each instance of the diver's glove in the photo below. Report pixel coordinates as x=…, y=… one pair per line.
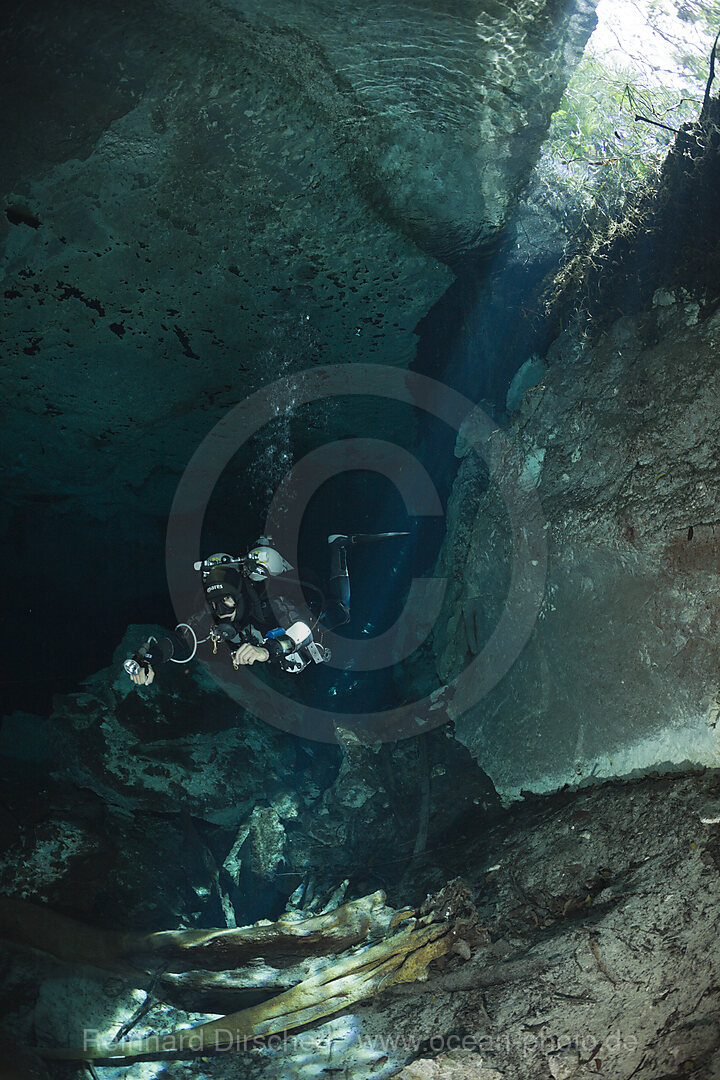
x=138, y=666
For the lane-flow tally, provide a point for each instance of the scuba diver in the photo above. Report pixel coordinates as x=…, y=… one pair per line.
x=254, y=626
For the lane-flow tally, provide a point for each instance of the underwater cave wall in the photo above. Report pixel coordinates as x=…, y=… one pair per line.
x=618, y=444
x=201, y=199
x=619, y=672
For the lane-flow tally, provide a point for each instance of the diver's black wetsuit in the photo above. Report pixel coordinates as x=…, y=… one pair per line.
x=256, y=617
x=260, y=618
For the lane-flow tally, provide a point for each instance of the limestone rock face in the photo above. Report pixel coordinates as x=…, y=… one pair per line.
x=209, y=196
x=620, y=670
x=179, y=743
x=202, y=243
x=455, y=100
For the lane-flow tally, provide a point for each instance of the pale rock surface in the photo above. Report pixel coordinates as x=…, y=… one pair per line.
x=619, y=672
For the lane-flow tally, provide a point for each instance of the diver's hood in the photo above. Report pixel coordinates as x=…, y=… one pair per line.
x=222, y=581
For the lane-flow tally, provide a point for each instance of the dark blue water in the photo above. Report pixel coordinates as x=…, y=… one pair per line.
x=380, y=579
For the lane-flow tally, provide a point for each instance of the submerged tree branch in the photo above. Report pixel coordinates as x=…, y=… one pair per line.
x=647, y=120
x=711, y=76
x=360, y=949
x=359, y=974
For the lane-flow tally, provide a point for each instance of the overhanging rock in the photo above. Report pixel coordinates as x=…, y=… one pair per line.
x=619, y=674
x=214, y=195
